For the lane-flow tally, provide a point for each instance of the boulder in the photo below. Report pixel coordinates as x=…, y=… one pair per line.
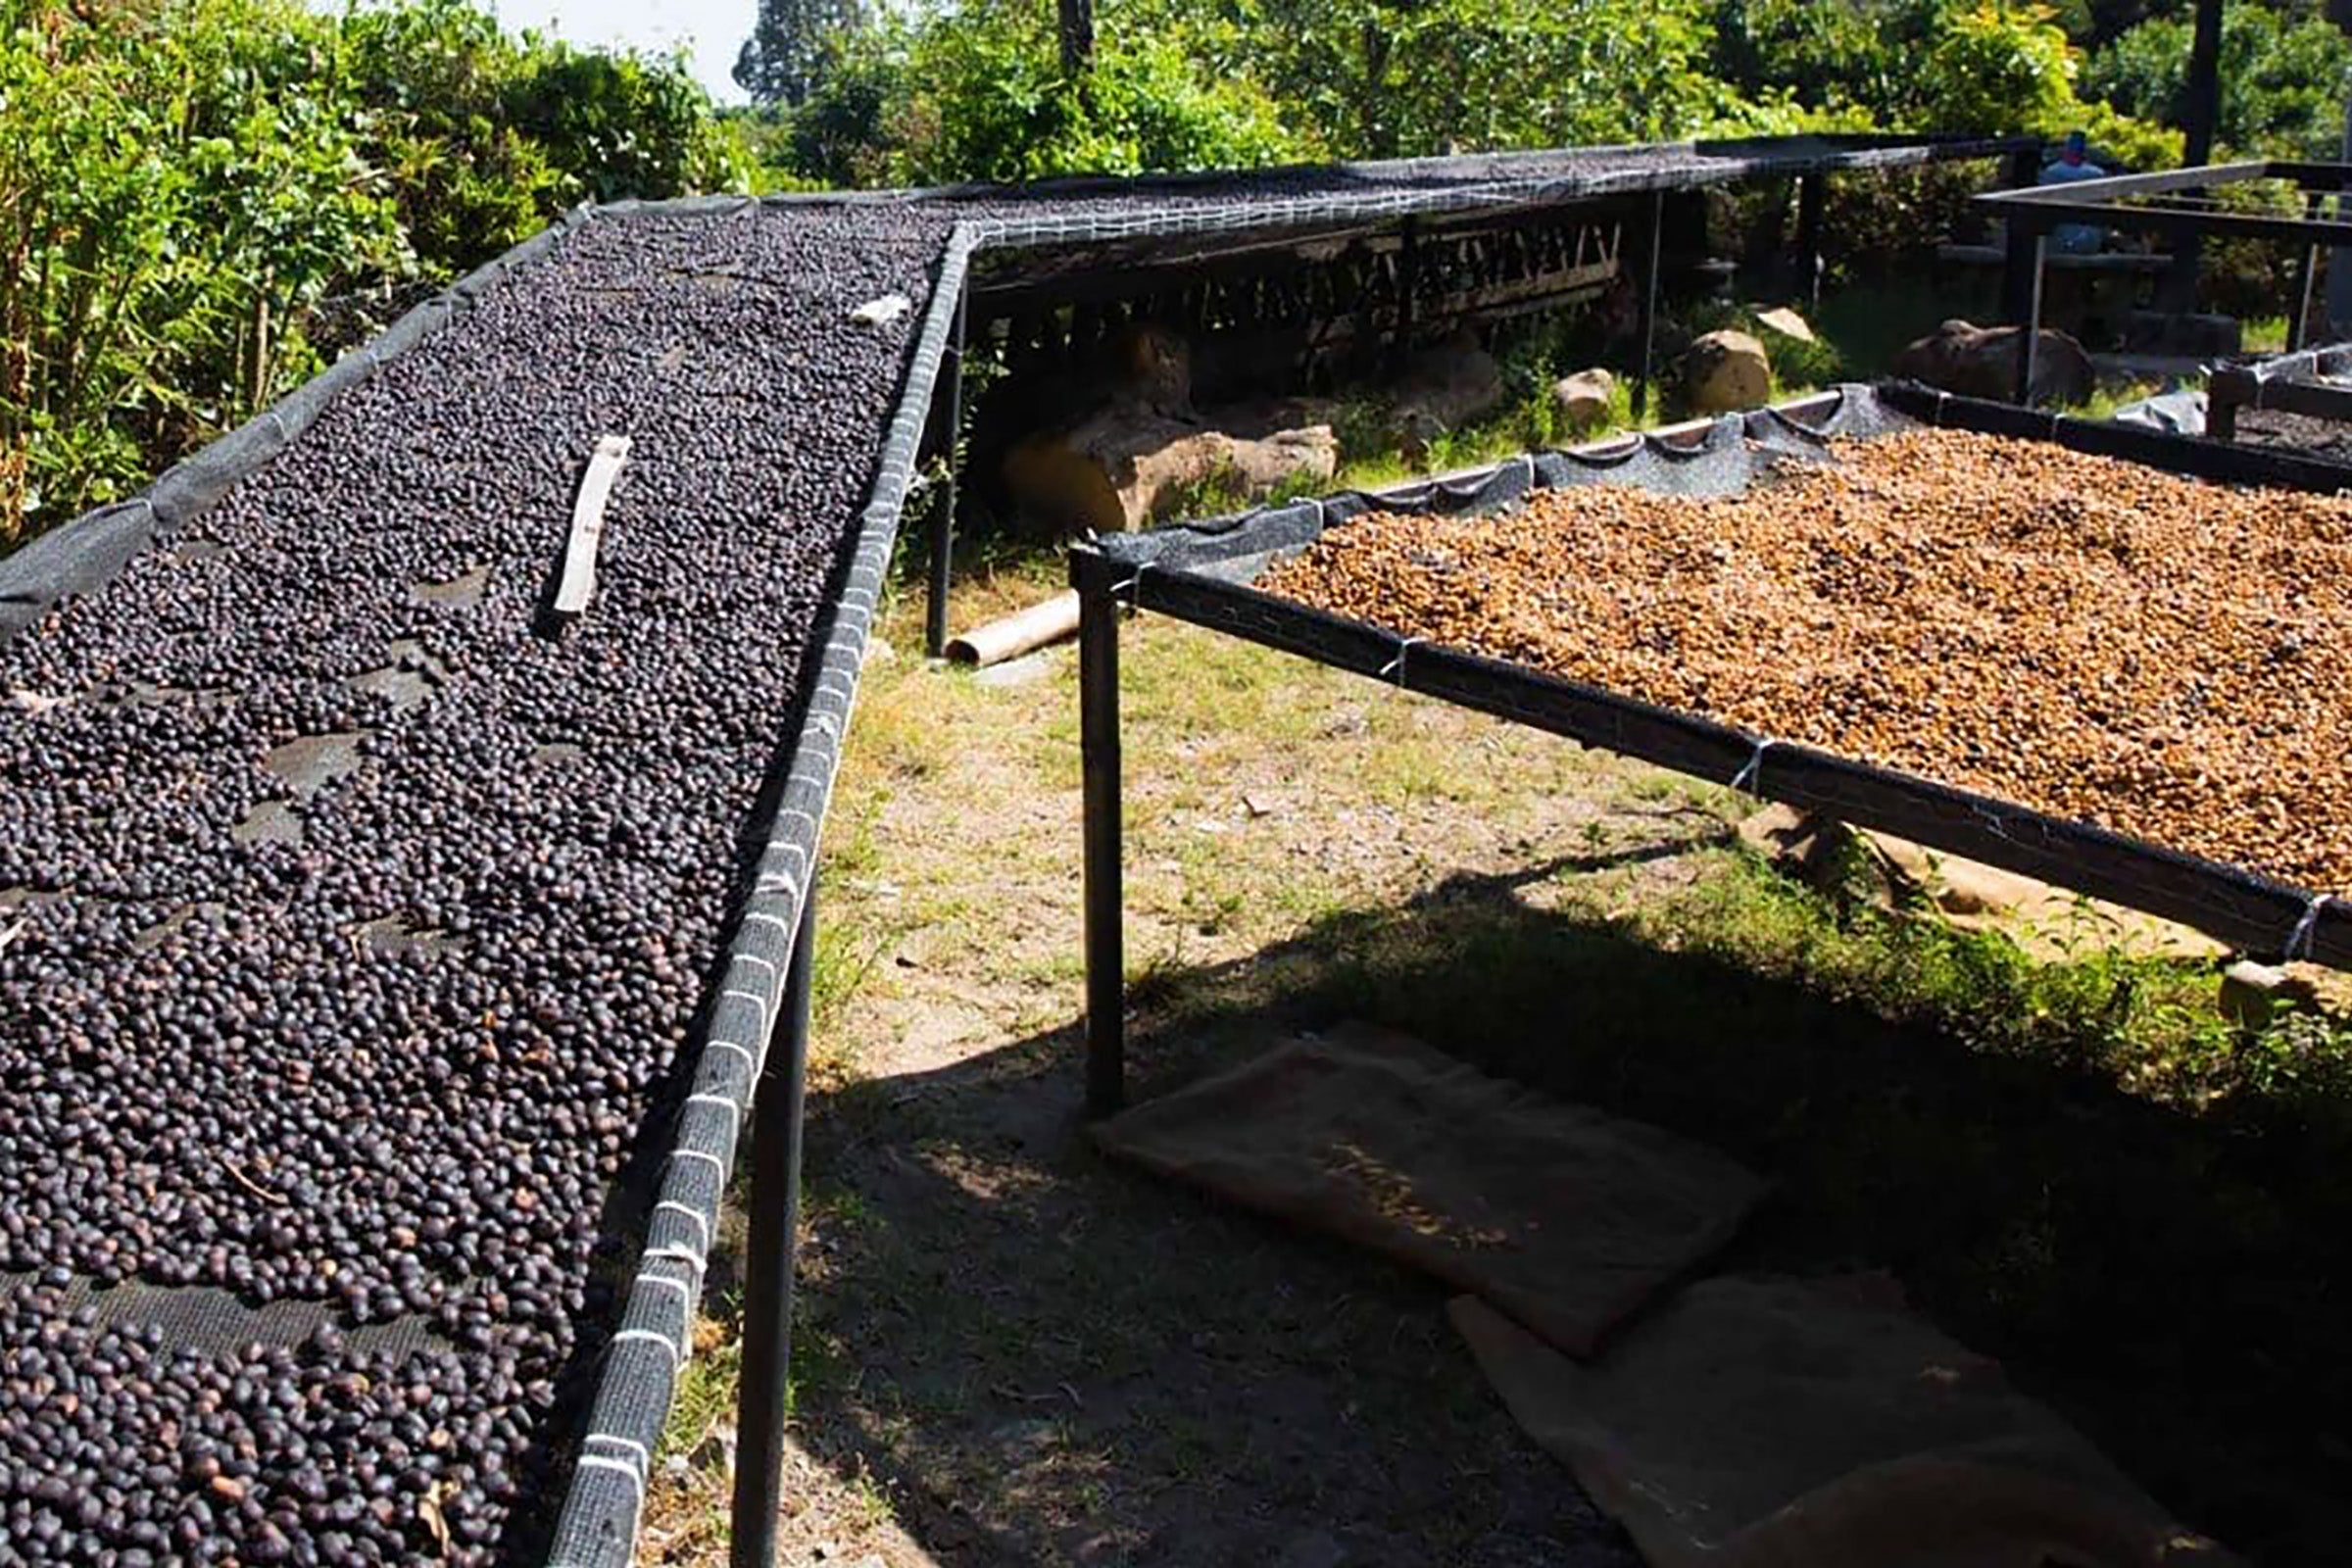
x=1980, y=362
x=1726, y=372
x=1126, y=468
x=2255, y=996
x=1442, y=388
x=1902, y=877
x=1785, y=321
x=1584, y=401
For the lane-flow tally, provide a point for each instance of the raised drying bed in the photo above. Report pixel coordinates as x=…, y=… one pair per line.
x=1212, y=574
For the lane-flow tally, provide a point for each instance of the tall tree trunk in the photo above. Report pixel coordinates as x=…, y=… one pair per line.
x=1077, y=37
x=2202, y=113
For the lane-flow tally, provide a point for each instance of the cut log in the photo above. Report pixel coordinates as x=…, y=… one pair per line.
x=1024, y=631
x=588, y=524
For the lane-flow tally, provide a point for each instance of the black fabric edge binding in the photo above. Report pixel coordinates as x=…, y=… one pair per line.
x=604, y=1503
x=2292, y=383
x=2257, y=914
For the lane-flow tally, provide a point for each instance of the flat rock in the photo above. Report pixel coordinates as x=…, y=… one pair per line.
x=1726, y=372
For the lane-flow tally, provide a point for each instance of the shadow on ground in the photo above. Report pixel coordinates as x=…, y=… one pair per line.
x=1040, y=1357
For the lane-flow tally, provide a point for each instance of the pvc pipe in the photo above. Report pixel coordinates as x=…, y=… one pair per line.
x=1010, y=636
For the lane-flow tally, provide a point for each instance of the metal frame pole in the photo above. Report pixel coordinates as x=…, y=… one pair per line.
x=2031, y=342
x=769, y=1259
x=2306, y=278
x=1646, y=328
x=2204, y=101
x=1408, y=285
x=2017, y=264
x=943, y=504
x=1811, y=196
x=1105, y=936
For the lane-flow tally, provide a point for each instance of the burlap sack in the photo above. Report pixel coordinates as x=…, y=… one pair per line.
x=1562, y=1217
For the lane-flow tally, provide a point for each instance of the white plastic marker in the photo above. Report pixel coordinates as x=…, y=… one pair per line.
x=588, y=524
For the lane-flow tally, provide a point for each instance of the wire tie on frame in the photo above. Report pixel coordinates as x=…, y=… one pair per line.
x=1133, y=587
x=1748, y=774
x=1396, y=666
x=2298, y=942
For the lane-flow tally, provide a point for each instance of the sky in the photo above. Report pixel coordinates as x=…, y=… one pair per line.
x=713, y=29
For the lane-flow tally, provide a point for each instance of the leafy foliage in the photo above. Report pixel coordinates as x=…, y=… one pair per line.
x=2284, y=77
x=1378, y=78
x=183, y=181
x=786, y=57
x=978, y=93
x=172, y=192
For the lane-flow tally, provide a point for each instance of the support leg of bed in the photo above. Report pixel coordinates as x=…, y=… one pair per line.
x=775, y=1205
x=1105, y=944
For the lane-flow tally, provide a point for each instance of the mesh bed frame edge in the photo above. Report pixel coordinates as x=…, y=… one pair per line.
x=1202, y=574
x=2303, y=381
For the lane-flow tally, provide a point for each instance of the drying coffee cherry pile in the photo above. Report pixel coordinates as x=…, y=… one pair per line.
x=2094, y=639
x=354, y=928
x=117, y=1449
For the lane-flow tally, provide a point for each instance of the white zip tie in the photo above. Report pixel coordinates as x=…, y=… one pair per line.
x=1396, y=666
x=685, y=1291
x=758, y=1001
x=672, y=1255
x=598, y=1462
x=1133, y=587
x=651, y=1337
x=697, y=1154
x=644, y=1458
x=723, y=1103
x=2298, y=944
x=1755, y=766
x=745, y=1051
x=702, y=1226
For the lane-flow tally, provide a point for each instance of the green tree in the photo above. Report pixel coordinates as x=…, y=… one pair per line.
x=2283, y=77
x=1378, y=78
x=783, y=62
x=174, y=193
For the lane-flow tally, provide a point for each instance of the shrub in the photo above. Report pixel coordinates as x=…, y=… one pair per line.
x=2283, y=78
x=182, y=181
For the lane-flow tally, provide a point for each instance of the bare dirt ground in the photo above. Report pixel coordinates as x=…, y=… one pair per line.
x=1012, y=1350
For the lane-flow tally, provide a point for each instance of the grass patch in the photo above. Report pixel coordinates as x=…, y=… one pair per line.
x=2264, y=334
